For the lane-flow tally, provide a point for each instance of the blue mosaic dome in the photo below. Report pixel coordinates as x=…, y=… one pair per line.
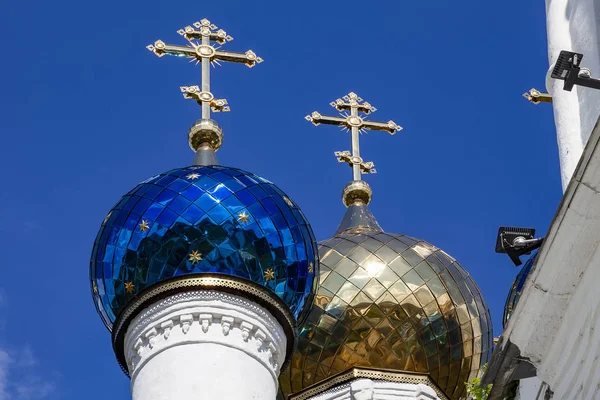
x=204, y=220
x=517, y=288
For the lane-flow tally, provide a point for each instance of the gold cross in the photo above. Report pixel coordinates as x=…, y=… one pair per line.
x=357, y=123
x=200, y=36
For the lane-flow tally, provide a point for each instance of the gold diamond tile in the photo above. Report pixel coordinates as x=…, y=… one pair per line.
x=347, y=292
x=399, y=290
x=346, y=267
x=359, y=254
x=374, y=289
x=400, y=266
x=412, y=280
x=360, y=277
x=333, y=282
x=423, y=294
x=387, y=277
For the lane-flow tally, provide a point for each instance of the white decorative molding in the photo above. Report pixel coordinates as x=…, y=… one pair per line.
x=202, y=317
x=368, y=389
x=379, y=384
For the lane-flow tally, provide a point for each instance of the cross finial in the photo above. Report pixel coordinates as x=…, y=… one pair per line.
x=205, y=133
x=357, y=123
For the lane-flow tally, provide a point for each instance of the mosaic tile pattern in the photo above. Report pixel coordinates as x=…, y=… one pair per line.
x=394, y=302
x=517, y=288
x=196, y=220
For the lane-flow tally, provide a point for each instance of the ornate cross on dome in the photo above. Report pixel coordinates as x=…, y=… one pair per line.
x=204, y=52
x=357, y=123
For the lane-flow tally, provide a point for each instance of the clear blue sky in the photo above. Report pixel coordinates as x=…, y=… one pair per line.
x=87, y=113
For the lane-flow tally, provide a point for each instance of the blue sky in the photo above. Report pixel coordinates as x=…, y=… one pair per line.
x=87, y=113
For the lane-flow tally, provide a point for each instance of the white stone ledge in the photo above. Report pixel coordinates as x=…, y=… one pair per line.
x=368, y=389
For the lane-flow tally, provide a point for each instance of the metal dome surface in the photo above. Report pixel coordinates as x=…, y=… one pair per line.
x=391, y=302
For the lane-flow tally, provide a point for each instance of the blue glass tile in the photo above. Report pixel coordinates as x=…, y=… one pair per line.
x=122, y=203
x=258, y=192
x=124, y=237
x=201, y=213
x=192, y=213
x=120, y=218
x=274, y=240
x=153, y=211
x=220, y=176
x=179, y=204
x=254, y=228
x=290, y=252
x=119, y=255
x=140, y=190
x=234, y=185
x=258, y=211
x=246, y=180
x=141, y=206
x=269, y=189
x=279, y=222
x=131, y=203
x=233, y=204
x=132, y=221
x=206, y=182
x=165, y=180
x=219, y=213
x=153, y=192
x=166, y=218
x=267, y=226
x=205, y=202
x=270, y=205
x=246, y=197
x=135, y=240
x=290, y=219
x=286, y=236
x=179, y=185
x=220, y=192
x=192, y=192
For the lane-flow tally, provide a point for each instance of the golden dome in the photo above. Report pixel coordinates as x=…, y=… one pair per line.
x=391, y=302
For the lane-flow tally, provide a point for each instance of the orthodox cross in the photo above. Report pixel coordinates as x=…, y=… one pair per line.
x=200, y=37
x=357, y=123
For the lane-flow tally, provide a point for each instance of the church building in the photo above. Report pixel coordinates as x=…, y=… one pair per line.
x=213, y=285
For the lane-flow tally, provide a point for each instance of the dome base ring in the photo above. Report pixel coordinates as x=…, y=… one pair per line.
x=216, y=282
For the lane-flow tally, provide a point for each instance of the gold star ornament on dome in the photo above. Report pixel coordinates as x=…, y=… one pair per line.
x=311, y=268
x=94, y=287
x=195, y=257
x=129, y=287
x=144, y=225
x=288, y=201
x=193, y=176
x=243, y=217
x=269, y=274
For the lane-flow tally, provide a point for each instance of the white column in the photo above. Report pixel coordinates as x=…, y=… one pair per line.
x=565, y=104
x=573, y=25
x=204, y=345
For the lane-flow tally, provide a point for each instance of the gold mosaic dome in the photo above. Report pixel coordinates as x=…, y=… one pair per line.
x=389, y=301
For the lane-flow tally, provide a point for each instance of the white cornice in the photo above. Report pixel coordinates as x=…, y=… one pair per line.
x=205, y=317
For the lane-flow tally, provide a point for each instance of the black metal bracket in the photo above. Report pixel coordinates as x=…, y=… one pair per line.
x=516, y=242
x=568, y=69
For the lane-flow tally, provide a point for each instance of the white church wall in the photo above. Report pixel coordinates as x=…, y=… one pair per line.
x=574, y=25
x=529, y=389
x=556, y=324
